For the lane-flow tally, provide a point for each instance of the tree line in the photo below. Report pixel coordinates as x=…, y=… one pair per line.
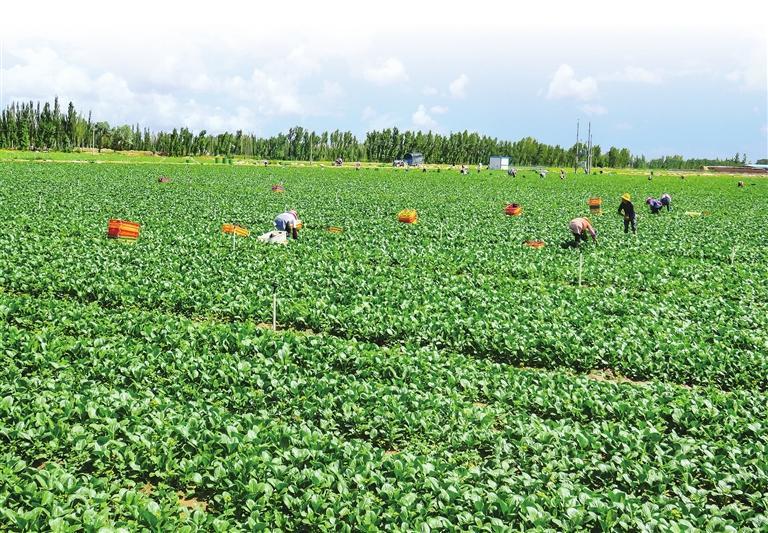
x=32, y=126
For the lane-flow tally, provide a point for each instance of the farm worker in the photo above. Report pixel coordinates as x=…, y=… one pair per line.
x=580, y=227
x=654, y=204
x=562, y=174
x=542, y=173
x=741, y=184
x=463, y=170
x=666, y=201
x=287, y=222
x=628, y=210
x=512, y=172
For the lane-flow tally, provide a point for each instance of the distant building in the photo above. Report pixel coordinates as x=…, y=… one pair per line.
x=748, y=169
x=499, y=162
x=414, y=159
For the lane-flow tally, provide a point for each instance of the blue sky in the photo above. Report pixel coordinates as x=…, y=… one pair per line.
x=657, y=77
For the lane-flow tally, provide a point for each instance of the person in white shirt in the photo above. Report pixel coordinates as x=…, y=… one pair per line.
x=288, y=223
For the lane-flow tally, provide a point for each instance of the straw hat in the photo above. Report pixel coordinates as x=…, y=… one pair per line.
x=626, y=197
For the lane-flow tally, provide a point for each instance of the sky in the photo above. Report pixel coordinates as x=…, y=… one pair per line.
x=658, y=77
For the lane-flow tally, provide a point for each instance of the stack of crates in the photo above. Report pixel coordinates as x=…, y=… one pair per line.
x=513, y=210
x=595, y=206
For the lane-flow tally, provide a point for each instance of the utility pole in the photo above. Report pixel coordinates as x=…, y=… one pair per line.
x=589, y=149
x=1, y=76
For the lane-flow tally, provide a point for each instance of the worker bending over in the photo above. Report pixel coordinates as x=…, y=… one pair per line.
x=654, y=204
x=627, y=209
x=580, y=227
x=288, y=222
x=666, y=201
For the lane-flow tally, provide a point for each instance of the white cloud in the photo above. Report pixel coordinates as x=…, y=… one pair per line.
x=458, y=87
x=593, y=109
x=751, y=73
x=368, y=113
x=331, y=90
x=421, y=119
x=40, y=73
x=429, y=91
x=390, y=71
x=438, y=110
x=634, y=75
x=269, y=94
x=373, y=120
x=564, y=84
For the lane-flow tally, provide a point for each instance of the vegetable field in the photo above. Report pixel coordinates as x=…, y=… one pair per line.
x=430, y=376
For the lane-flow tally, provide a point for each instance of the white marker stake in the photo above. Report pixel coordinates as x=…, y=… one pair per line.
x=581, y=265
x=274, y=309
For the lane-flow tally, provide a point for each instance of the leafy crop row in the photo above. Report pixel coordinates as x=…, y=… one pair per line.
x=135, y=419
x=684, y=302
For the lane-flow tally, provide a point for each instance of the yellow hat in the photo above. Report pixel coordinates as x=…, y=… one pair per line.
x=626, y=197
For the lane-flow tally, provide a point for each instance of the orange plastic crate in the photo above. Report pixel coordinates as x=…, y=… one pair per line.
x=237, y=230
x=535, y=244
x=123, y=229
x=335, y=229
x=408, y=216
x=513, y=210
x=595, y=202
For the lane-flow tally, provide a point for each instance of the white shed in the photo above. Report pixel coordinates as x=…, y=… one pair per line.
x=499, y=162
